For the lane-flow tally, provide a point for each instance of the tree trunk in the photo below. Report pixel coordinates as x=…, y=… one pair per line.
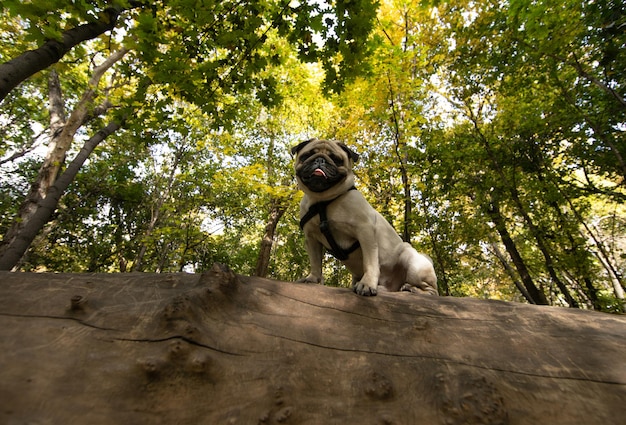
x=545, y=174
x=537, y=296
x=402, y=163
x=511, y=273
x=543, y=248
x=13, y=72
x=440, y=266
x=440, y=262
x=408, y=204
x=43, y=181
x=16, y=249
x=265, y=251
x=603, y=256
x=157, y=210
x=57, y=104
x=493, y=210
x=62, y=135
x=218, y=348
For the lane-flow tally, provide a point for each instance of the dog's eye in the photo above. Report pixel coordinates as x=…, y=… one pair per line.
x=337, y=159
x=305, y=156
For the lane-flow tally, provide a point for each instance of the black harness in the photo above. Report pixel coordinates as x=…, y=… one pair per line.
x=320, y=208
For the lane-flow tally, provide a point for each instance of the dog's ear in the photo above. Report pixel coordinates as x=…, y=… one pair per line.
x=352, y=154
x=299, y=147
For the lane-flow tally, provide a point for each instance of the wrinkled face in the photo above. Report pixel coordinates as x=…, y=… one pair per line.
x=322, y=164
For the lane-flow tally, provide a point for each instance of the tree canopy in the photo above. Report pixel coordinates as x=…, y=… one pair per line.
x=492, y=136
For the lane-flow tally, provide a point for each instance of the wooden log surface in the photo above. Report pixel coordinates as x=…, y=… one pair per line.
x=218, y=348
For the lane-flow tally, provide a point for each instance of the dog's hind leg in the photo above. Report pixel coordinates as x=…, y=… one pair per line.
x=420, y=273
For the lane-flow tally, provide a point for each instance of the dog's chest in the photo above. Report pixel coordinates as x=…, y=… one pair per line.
x=313, y=228
x=333, y=226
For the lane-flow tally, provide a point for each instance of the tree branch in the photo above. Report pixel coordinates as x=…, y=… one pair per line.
x=18, y=69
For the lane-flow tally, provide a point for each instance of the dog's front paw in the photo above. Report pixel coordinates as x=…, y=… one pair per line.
x=310, y=279
x=362, y=288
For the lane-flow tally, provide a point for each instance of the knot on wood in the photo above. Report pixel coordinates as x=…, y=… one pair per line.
x=468, y=400
x=199, y=363
x=378, y=386
x=279, y=412
x=178, y=348
x=152, y=366
x=78, y=303
x=284, y=414
x=180, y=308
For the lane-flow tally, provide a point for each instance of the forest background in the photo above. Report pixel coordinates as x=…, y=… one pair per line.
x=155, y=136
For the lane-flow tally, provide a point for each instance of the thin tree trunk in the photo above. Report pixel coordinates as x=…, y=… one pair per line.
x=163, y=259
x=442, y=274
x=537, y=296
x=48, y=205
x=62, y=135
x=511, y=273
x=39, y=187
x=495, y=213
x=157, y=211
x=263, y=260
x=582, y=270
x=57, y=105
x=539, y=240
x=615, y=282
x=408, y=205
x=276, y=211
x=61, y=144
x=402, y=162
x=614, y=274
x=604, y=258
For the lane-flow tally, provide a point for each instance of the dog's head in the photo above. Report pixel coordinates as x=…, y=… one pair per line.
x=322, y=165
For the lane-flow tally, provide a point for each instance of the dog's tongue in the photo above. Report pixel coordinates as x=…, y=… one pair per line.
x=319, y=172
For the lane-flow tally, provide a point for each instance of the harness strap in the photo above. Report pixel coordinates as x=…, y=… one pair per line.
x=335, y=250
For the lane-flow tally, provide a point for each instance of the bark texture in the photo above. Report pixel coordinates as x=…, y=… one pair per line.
x=218, y=348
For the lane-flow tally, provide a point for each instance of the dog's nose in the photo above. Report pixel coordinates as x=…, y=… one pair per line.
x=319, y=161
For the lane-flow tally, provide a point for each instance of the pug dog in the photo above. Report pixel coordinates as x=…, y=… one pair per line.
x=336, y=217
